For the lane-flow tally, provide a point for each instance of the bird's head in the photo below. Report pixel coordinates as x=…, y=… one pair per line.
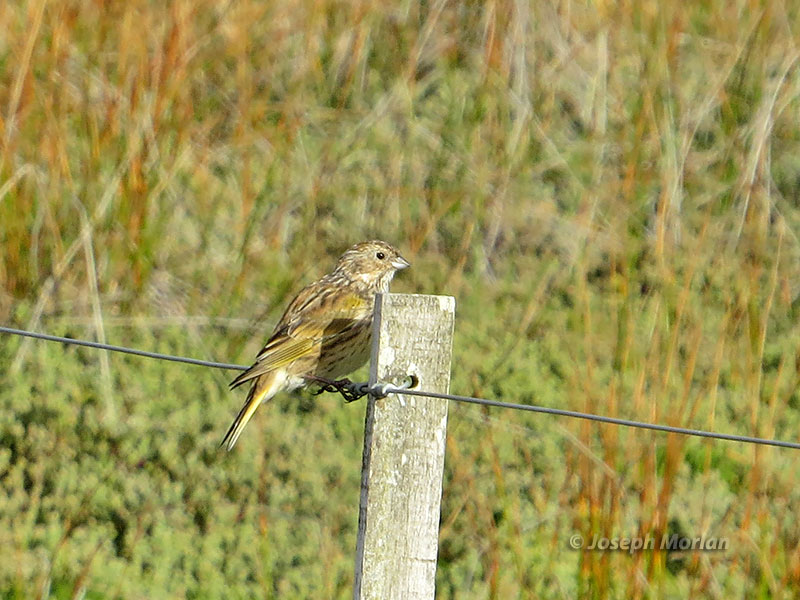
x=372, y=263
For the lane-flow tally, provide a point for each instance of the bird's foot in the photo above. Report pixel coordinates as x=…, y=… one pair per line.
x=341, y=386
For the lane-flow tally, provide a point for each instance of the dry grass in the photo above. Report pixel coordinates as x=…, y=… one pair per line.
x=610, y=190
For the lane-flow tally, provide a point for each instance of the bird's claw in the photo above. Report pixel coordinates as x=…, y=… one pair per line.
x=341, y=386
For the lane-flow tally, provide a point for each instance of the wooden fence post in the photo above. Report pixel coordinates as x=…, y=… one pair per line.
x=404, y=443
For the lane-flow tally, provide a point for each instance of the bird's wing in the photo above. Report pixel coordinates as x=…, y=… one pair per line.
x=315, y=316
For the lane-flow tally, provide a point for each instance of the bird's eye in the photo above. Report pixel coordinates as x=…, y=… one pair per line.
x=380, y=255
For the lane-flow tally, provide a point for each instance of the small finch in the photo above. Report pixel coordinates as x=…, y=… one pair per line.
x=325, y=331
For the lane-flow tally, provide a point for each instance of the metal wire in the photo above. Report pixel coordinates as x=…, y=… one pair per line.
x=380, y=390
x=158, y=355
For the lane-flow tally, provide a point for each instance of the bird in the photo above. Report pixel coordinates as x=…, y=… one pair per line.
x=324, y=332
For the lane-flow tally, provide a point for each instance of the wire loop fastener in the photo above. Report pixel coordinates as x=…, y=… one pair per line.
x=351, y=391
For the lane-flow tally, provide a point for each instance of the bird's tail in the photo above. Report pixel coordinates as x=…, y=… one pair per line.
x=264, y=388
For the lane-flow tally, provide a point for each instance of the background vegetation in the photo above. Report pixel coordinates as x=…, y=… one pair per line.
x=611, y=190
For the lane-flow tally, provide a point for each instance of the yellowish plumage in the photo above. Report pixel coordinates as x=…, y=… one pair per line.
x=266, y=387
x=325, y=330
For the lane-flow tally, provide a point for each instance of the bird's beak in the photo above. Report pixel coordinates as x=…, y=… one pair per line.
x=400, y=263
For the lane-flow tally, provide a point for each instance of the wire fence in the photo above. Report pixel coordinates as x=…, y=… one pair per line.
x=123, y=349
x=353, y=391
